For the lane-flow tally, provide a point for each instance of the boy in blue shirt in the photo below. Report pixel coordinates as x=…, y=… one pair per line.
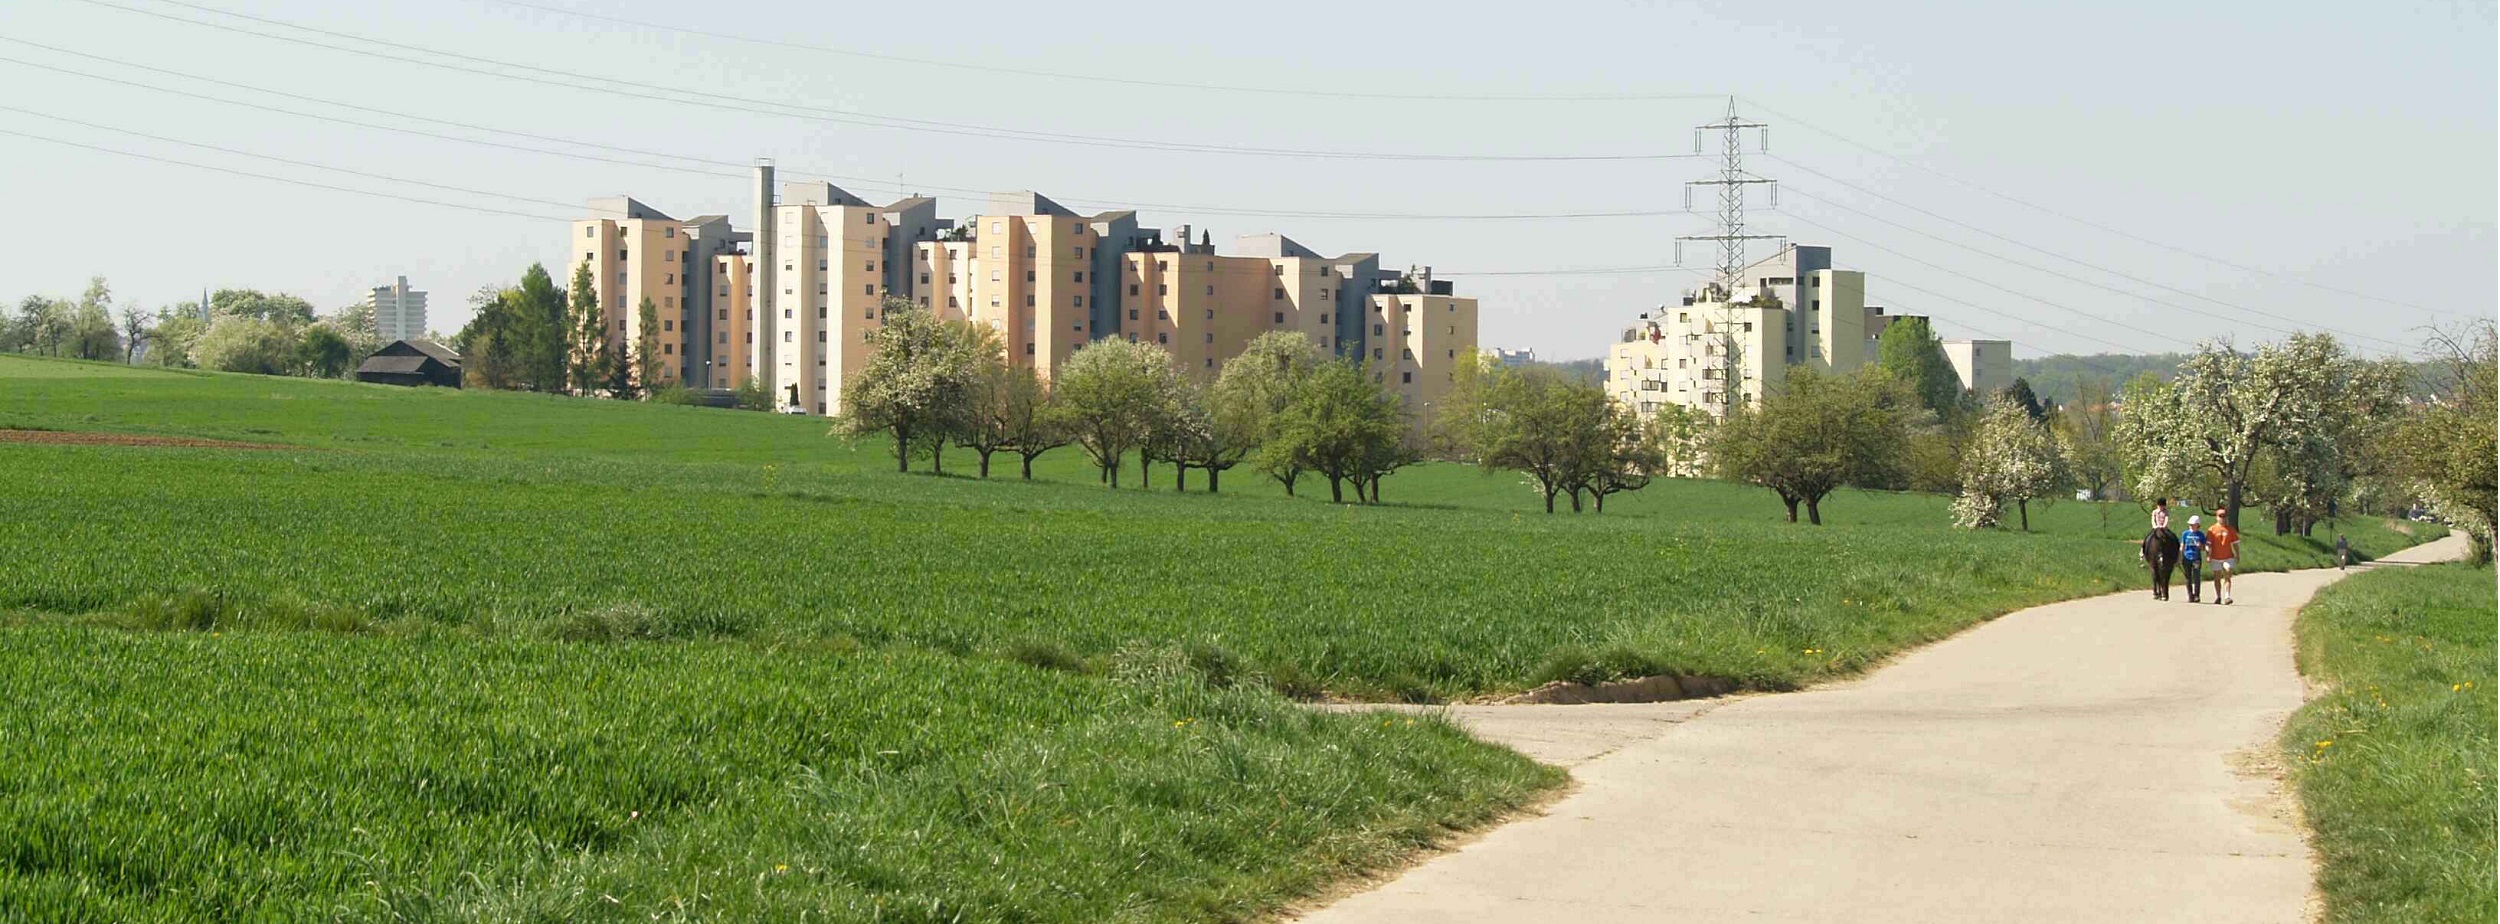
x=2192, y=552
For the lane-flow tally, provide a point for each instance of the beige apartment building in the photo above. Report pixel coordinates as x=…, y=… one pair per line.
x=1790, y=309
x=637, y=252
x=795, y=309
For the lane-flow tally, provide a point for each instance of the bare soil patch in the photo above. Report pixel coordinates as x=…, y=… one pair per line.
x=91, y=438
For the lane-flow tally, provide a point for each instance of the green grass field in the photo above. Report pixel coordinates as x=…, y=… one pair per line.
x=798, y=658
x=2395, y=760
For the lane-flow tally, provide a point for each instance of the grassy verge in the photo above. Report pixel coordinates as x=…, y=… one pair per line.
x=2395, y=760
x=168, y=776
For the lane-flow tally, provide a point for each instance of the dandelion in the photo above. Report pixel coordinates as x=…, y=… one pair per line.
x=781, y=868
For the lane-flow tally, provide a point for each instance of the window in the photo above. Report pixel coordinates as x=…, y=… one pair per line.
x=1080, y=250
x=1028, y=349
x=870, y=266
x=668, y=325
x=590, y=232
x=1280, y=295
x=868, y=219
x=1323, y=271
x=1210, y=314
x=1210, y=362
x=1323, y=318
x=1376, y=353
x=1162, y=266
x=668, y=349
x=997, y=228
x=820, y=312
x=993, y=251
x=820, y=336
x=620, y=324
x=1080, y=275
x=1280, y=317
x=993, y=275
x=1210, y=338
x=1132, y=288
x=724, y=337
x=1028, y=250
x=1028, y=299
x=869, y=289
x=786, y=314
x=1077, y=300
x=1280, y=269
x=1161, y=337
x=1132, y=314
x=787, y=337
x=668, y=301
x=1028, y=275
x=1162, y=289
x=1406, y=378
x=950, y=302
x=724, y=314
x=1162, y=315
x=1378, y=330
x=668, y=232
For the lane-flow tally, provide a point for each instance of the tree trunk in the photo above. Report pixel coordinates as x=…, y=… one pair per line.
x=1214, y=475
x=1601, y=500
x=1028, y=468
x=1336, y=489
x=1145, y=470
x=1814, y=510
x=1792, y=507
x=937, y=458
x=1549, y=501
x=902, y=450
x=2024, y=505
x=985, y=463
x=1289, y=480
x=1111, y=473
x=2231, y=504
x=1575, y=500
x=1180, y=478
x=2282, y=522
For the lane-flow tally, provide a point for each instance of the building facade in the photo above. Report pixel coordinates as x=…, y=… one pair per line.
x=792, y=304
x=398, y=311
x=1789, y=309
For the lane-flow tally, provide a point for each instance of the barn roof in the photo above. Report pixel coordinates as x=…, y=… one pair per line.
x=409, y=365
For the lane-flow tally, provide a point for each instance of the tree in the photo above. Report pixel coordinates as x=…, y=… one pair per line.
x=134, y=333
x=988, y=424
x=171, y=341
x=752, y=395
x=917, y=385
x=1258, y=384
x=1634, y=451
x=1033, y=422
x=2302, y=477
x=43, y=325
x=91, y=333
x=1534, y=422
x=486, y=360
x=2021, y=394
x=2225, y=410
x=650, y=367
x=587, y=354
x=324, y=352
x=1910, y=350
x=1115, y=393
x=245, y=343
x=2445, y=449
x=1343, y=425
x=539, y=330
x=1816, y=434
x=279, y=308
x=2085, y=430
x=2011, y=456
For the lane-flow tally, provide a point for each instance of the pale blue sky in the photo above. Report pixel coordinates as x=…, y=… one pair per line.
x=2351, y=146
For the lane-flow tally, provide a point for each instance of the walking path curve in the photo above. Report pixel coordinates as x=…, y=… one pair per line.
x=2096, y=760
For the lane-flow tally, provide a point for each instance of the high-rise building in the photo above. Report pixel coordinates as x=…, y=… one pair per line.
x=1789, y=309
x=398, y=311
x=795, y=307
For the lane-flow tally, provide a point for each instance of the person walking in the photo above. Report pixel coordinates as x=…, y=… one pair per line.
x=2192, y=555
x=2222, y=556
x=2343, y=552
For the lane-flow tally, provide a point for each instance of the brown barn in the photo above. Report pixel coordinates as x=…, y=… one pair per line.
x=412, y=362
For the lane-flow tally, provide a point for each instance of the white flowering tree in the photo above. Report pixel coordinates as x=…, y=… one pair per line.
x=918, y=384
x=2011, y=456
x=2225, y=409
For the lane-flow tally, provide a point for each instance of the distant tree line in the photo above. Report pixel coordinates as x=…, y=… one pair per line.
x=237, y=330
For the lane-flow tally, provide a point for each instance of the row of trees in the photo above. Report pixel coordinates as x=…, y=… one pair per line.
x=536, y=337
x=1280, y=407
x=1562, y=432
x=238, y=330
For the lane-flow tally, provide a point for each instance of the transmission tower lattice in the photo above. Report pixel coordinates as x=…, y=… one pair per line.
x=1728, y=363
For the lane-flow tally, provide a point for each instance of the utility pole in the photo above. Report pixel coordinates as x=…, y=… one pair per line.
x=1731, y=238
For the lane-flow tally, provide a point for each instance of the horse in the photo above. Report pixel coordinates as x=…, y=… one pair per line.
x=2161, y=553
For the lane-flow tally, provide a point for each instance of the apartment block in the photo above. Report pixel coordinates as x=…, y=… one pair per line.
x=793, y=303
x=398, y=311
x=1984, y=366
x=1789, y=309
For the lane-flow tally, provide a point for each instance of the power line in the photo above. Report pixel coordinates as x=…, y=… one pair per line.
x=1963, y=276
x=1120, y=81
x=2080, y=280
x=2093, y=224
x=280, y=179
x=796, y=173
x=719, y=101
x=285, y=160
